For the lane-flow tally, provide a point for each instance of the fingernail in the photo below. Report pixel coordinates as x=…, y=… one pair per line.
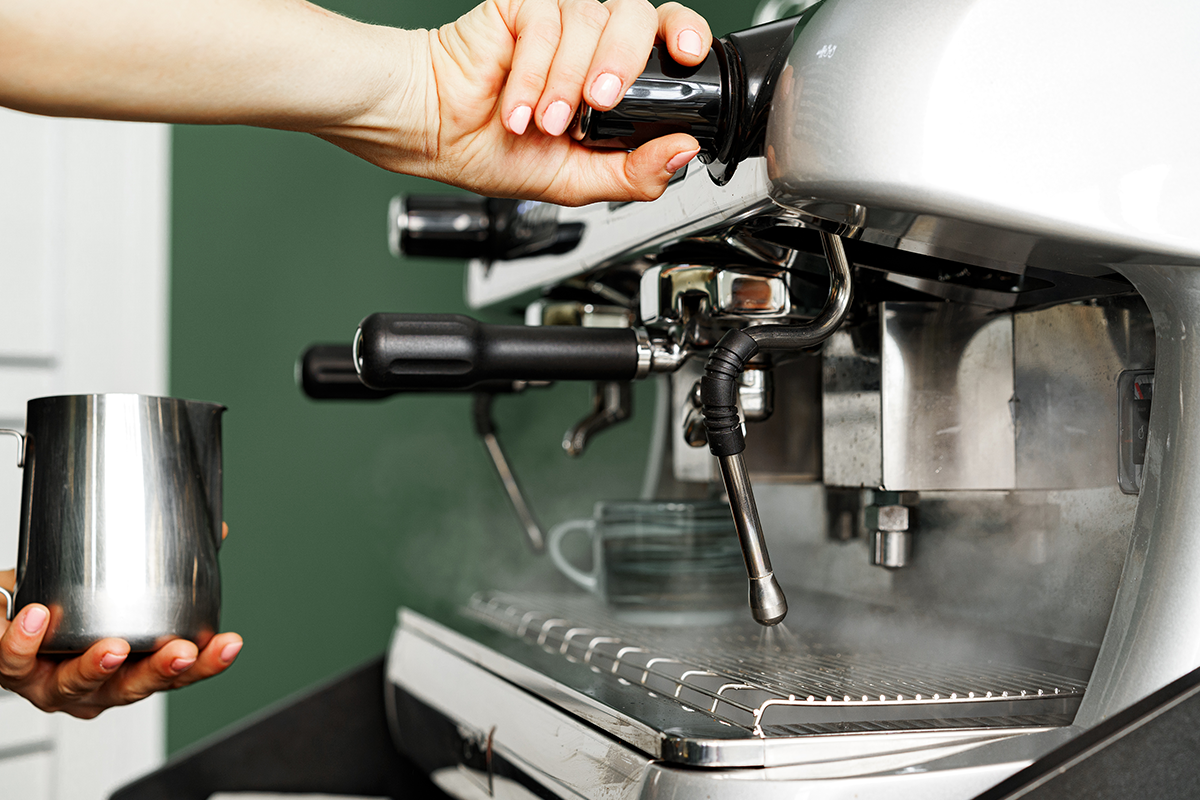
x=230, y=651
x=112, y=660
x=34, y=620
x=690, y=43
x=605, y=89
x=518, y=120
x=555, y=120
x=679, y=159
x=180, y=664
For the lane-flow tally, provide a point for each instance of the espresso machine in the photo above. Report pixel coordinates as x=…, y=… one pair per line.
x=920, y=314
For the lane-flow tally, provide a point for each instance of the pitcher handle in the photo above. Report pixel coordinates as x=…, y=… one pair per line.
x=20, y=444
x=8, y=598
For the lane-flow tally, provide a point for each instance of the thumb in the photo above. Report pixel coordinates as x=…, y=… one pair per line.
x=649, y=168
x=20, y=642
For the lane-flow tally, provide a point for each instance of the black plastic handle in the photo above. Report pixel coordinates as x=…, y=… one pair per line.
x=452, y=351
x=326, y=372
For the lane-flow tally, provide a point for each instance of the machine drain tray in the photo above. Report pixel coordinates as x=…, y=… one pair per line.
x=771, y=683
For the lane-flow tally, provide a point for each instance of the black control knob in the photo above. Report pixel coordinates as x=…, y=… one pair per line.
x=723, y=102
x=666, y=98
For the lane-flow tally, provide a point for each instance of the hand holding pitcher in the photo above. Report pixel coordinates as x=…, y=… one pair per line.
x=120, y=524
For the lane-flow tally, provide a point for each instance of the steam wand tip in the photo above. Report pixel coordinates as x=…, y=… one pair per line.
x=767, y=603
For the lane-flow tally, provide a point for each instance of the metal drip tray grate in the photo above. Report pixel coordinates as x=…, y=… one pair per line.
x=775, y=684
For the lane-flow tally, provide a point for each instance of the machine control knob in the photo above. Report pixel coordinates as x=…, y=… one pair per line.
x=666, y=98
x=723, y=102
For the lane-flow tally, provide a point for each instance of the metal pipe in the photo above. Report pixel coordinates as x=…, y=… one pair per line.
x=767, y=603
x=533, y=531
x=821, y=327
x=482, y=412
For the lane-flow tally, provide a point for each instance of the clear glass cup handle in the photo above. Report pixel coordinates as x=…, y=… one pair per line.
x=588, y=580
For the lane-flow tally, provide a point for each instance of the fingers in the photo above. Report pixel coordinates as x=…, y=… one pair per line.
x=156, y=672
x=215, y=658
x=579, y=49
x=538, y=27
x=175, y=665
x=86, y=685
x=618, y=56
x=69, y=685
x=686, y=34
x=583, y=23
x=50, y=686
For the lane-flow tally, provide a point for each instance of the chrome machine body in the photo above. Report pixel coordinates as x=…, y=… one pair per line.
x=979, y=491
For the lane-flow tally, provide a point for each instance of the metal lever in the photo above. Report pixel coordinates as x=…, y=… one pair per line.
x=327, y=372
x=486, y=429
x=612, y=402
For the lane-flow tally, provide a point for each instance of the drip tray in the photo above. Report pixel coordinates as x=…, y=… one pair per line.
x=772, y=683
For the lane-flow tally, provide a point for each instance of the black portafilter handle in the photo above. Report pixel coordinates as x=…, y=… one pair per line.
x=723, y=102
x=326, y=372
x=452, y=351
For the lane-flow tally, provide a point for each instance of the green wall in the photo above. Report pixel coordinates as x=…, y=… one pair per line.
x=341, y=512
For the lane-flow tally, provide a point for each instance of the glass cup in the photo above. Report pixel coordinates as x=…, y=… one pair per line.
x=662, y=556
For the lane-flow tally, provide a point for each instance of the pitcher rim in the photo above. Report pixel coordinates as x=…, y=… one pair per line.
x=219, y=406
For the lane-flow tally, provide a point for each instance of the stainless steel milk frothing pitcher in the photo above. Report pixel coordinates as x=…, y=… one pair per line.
x=120, y=519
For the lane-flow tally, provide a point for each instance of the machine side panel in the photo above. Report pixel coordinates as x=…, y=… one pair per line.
x=995, y=132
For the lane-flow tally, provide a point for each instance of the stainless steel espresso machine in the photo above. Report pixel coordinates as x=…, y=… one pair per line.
x=923, y=315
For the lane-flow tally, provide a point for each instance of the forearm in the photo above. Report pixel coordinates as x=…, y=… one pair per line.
x=481, y=103
x=274, y=63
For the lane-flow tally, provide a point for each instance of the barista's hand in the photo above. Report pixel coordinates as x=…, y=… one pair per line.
x=100, y=678
x=505, y=81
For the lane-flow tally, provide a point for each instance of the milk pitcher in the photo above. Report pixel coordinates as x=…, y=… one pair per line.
x=120, y=519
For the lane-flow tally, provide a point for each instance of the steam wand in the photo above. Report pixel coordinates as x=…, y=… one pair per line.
x=718, y=395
